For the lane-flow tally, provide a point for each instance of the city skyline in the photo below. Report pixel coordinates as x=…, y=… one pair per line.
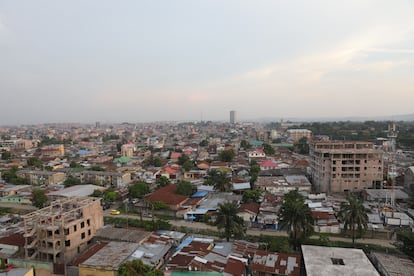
x=136, y=61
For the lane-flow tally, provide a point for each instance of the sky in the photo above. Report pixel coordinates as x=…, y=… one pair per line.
x=187, y=60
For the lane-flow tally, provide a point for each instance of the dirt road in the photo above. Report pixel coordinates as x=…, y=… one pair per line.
x=253, y=232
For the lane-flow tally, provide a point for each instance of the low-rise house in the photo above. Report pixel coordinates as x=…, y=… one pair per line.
x=108, y=259
x=391, y=265
x=169, y=196
x=268, y=165
x=273, y=263
x=281, y=184
x=249, y=211
x=256, y=153
x=7, y=190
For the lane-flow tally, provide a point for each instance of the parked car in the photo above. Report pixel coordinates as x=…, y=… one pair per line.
x=115, y=212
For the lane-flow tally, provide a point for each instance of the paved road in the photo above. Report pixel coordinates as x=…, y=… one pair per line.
x=253, y=232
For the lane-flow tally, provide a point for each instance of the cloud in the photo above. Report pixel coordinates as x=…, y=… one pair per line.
x=352, y=55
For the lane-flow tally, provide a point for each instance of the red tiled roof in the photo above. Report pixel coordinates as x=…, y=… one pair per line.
x=92, y=251
x=279, y=262
x=167, y=195
x=175, y=155
x=268, y=163
x=251, y=206
x=16, y=239
x=320, y=215
x=235, y=267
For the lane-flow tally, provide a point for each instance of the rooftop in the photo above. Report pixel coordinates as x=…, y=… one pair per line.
x=327, y=261
x=112, y=255
x=77, y=190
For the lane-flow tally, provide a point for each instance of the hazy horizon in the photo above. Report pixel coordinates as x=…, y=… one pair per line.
x=143, y=61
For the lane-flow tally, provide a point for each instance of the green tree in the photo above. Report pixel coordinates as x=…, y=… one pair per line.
x=203, y=143
x=71, y=181
x=268, y=149
x=111, y=195
x=296, y=216
x=301, y=146
x=188, y=165
x=220, y=180
x=34, y=162
x=254, y=171
x=227, y=155
x=184, y=188
x=39, y=198
x=406, y=239
x=159, y=205
x=163, y=181
x=5, y=155
x=245, y=145
x=228, y=220
x=354, y=216
x=97, y=193
x=96, y=169
x=251, y=196
x=182, y=159
x=137, y=267
x=153, y=161
x=138, y=190
x=73, y=164
x=11, y=176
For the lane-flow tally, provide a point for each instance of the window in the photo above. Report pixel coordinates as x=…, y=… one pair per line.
x=88, y=222
x=67, y=243
x=336, y=261
x=83, y=235
x=89, y=232
x=75, y=228
x=82, y=224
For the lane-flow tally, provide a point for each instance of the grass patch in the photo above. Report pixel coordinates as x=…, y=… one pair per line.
x=148, y=225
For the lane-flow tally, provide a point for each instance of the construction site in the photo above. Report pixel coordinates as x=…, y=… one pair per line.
x=59, y=232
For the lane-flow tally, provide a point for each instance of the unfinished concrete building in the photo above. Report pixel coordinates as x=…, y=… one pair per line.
x=340, y=166
x=60, y=231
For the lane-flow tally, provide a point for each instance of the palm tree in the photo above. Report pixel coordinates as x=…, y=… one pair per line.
x=228, y=220
x=354, y=216
x=297, y=217
x=220, y=180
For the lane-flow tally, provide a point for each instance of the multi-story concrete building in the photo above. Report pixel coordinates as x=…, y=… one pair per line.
x=340, y=166
x=232, y=117
x=109, y=179
x=295, y=135
x=53, y=151
x=42, y=177
x=60, y=231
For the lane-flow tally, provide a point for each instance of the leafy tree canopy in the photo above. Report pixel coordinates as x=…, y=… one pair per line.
x=39, y=198
x=110, y=195
x=228, y=220
x=138, y=190
x=71, y=181
x=163, y=181
x=137, y=267
x=251, y=196
x=296, y=216
x=227, y=155
x=268, y=149
x=354, y=216
x=182, y=159
x=203, y=143
x=184, y=188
